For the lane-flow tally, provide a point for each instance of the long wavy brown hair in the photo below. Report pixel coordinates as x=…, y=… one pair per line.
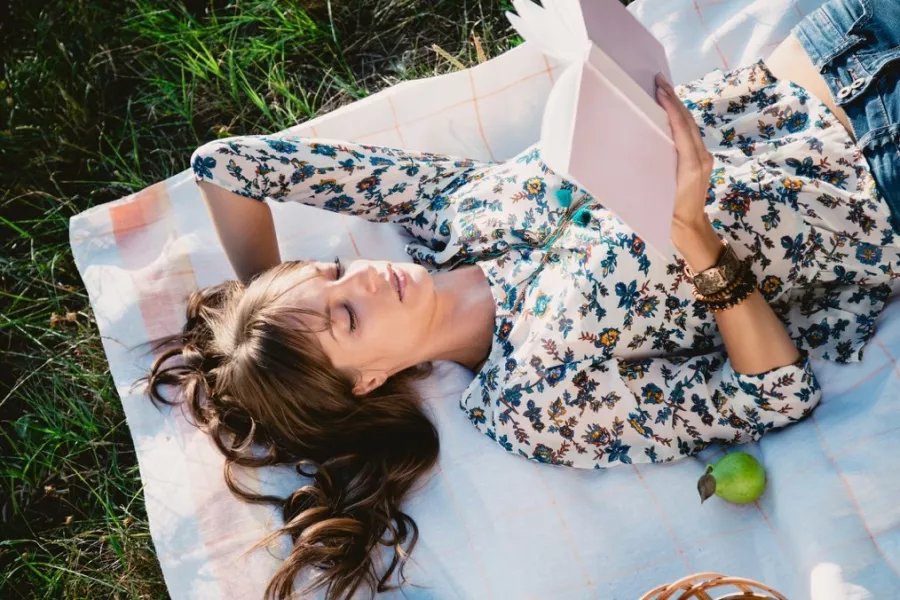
x=255, y=379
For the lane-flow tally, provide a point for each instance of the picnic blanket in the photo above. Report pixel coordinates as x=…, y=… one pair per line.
x=494, y=525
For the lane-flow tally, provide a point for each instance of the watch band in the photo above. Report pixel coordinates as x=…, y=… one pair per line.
x=718, y=277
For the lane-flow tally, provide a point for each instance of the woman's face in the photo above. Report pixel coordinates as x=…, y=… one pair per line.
x=375, y=327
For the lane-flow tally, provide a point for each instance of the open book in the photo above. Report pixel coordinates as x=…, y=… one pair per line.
x=603, y=128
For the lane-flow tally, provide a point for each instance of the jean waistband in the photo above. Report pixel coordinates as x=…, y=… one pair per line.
x=827, y=30
x=855, y=45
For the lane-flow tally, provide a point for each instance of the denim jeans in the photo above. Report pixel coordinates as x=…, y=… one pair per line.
x=855, y=44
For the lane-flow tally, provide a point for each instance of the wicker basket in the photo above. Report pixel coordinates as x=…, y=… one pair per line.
x=697, y=587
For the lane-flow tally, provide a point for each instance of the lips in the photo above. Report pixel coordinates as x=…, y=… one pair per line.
x=401, y=282
x=398, y=281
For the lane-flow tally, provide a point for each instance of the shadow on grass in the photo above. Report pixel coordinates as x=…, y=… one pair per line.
x=98, y=99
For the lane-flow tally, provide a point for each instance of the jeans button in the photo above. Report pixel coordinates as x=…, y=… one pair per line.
x=859, y=83
x=844, y=92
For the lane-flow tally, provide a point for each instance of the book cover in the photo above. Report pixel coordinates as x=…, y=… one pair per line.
x=602, y=126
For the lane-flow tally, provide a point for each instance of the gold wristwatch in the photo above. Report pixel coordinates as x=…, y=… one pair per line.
x=715, y=279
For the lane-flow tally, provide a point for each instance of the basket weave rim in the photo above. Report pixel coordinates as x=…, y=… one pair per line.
x=695, y=587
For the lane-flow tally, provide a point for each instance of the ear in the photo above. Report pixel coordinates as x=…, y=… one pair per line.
x=368, y=381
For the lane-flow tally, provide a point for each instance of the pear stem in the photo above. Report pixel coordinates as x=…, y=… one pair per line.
x=706, y=485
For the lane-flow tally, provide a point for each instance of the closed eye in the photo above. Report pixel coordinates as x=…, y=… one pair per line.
x=352, y=318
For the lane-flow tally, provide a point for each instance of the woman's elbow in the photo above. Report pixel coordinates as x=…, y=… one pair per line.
x=205, y=160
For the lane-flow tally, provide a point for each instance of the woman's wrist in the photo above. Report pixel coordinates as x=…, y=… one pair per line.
x=697, y=242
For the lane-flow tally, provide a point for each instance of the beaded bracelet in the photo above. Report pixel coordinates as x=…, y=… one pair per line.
x=719, y=307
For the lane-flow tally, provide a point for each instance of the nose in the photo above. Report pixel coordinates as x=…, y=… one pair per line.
x=372, y=280
x=366, y=281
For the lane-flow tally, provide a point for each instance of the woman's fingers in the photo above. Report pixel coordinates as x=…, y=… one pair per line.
x=681, y=134
x=689, y=120
x=685, y=132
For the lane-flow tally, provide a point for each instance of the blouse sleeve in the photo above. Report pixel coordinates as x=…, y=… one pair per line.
x=373, y=182
x=617, y=411
x=680, y=407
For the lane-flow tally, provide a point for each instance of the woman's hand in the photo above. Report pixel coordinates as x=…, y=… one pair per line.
x=695, y=163
x=692, y=234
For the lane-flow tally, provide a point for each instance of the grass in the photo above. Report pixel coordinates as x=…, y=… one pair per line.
x=98, y=99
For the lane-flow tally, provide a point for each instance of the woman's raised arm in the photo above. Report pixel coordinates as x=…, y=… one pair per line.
x=245, y=230
x=755, y=338
x=377, y=183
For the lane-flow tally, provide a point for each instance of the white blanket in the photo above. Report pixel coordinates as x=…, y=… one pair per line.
x=494, y=525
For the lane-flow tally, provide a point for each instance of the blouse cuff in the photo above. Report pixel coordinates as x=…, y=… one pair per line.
x=802, y=364
x=785, y=383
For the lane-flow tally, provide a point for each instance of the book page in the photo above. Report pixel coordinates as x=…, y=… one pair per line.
x=623, y=38
x=624, y=160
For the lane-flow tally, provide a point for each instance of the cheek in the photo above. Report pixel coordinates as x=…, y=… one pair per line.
x=386, y=321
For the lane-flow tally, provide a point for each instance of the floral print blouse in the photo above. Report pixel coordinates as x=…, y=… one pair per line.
x=600, y=354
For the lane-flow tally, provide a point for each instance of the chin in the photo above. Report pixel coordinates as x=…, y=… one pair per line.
x=416, y=272
x=418, y=278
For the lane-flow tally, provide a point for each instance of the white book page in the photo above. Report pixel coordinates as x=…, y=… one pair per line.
x=606, y=67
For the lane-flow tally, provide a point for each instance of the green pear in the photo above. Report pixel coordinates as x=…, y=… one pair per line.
x=737, y=477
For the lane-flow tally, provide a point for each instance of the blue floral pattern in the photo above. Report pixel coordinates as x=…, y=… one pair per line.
x=601, y=356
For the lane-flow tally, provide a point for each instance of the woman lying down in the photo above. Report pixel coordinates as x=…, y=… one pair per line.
x=588, y=351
